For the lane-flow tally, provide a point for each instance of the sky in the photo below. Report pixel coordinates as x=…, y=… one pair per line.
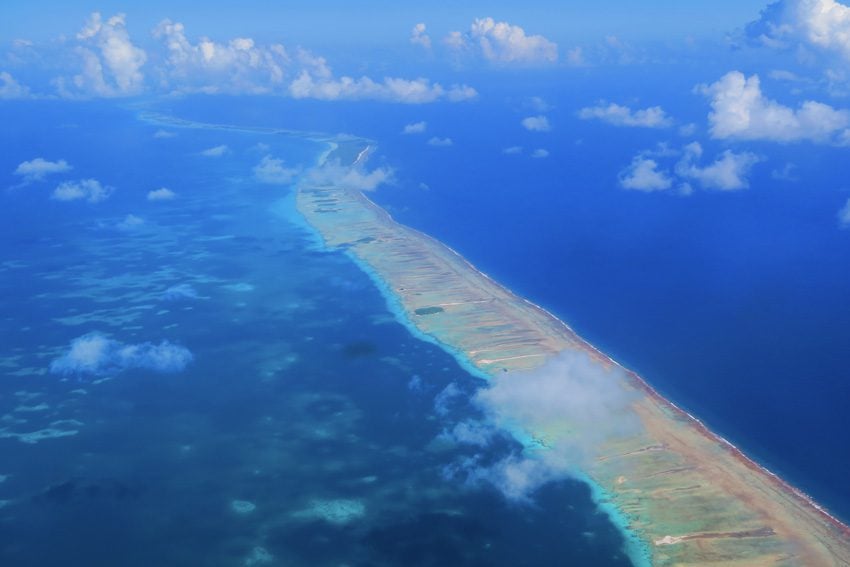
x=378, y=21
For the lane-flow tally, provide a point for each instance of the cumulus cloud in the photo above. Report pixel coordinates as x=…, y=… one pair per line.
x=96, y=354
x=415, y=128
x=236, y=66
x=536, y=124
x=163, y=134
x=215, y=151
x=447, y=399
x=89, y=190
x=161, y=194
x=440, y=142
x=418, y=36
x=727, y=173
x=786, y=173
x=111, y=63
x=503, y=43
x=540, y=153
x=844, y=215
x=39, y=168
x=10, y=88
x=130, y=222
x=475, y=433
x=272, y=170
x=391, y=89
x=740, y=111
x=565, y=410
x=643, y=174
x=538, y=104
x=512, y=150
x=823, y=24
x=349, y=177
x=618, y=115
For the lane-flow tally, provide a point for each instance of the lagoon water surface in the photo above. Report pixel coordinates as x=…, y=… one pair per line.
x=238, y=395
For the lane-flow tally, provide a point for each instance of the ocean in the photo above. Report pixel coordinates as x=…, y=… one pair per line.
x=731, y=304
x=195, y=381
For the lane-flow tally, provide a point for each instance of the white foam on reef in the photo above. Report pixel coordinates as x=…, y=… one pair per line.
x=242, y=507
x=258, y=556
x=340, y=511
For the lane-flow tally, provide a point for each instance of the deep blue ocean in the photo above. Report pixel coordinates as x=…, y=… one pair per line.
x=304, y=429
x=732, y=304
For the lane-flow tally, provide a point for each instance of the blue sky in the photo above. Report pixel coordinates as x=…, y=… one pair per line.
x=319, y=22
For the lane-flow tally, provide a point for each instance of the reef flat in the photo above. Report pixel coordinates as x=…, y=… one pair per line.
x=686, y=495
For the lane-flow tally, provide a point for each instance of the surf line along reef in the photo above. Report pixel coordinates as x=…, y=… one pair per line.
x=682, y=494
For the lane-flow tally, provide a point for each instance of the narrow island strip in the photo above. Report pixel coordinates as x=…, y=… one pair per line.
x=687, y=495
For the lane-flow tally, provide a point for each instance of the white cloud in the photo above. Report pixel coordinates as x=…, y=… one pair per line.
x=504, y=43
x=539, y=104
x=96, y=354
x=161, y=194
x=575, y=57
x=108, y=64
x=440, y=142
x=416, y=91
x=512, y=150
x=618, y=115
x=455, y=41
x=415, y=128
x=10, y=88
x=786, y=173
x=572, y=392
x=687, y=130
x=540, y=153
x=447, y=399
x=643, y=174
x=272, y=170
x=130, y=222
x=470, y=433
x=536, y=123
x=163, y=134
x=85, y=189
x=39, y=168
x=215, y=151
x=727, y=173
x=824, y=24
x=418, y=36
x=348, y=177
x=111, y=63
x=741, y=111
x=237, y=66
x=844, y=215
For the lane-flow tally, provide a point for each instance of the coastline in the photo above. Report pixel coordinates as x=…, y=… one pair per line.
x=361, y=224
x=812, y=546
